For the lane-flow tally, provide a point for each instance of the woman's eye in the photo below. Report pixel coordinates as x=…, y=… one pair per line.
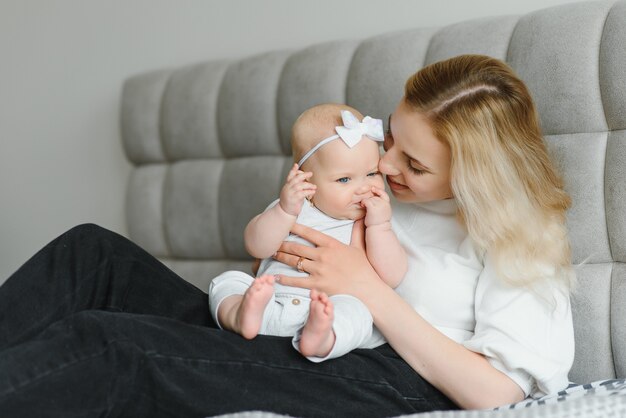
x=416, y=171
x=343, y=180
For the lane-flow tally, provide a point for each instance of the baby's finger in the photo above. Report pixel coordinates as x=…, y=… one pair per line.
x=367, y=203
x=305, y=194
x=299, y=177
x=306, y=185
x=301, y=187
x=376, y=200
x=380, y=193
x=292, y=172
x=303, y=175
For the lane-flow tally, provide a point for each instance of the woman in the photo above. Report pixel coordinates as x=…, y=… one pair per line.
x=93, y=325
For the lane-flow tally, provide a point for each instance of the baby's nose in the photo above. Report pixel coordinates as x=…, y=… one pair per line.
x=364, y=189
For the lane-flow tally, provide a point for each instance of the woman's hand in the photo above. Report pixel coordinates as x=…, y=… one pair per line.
x=333, y=267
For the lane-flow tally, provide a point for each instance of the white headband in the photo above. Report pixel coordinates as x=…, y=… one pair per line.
x=351, y=132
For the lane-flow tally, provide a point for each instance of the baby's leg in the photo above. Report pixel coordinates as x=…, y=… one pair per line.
x=318, y=337
x=244, y=313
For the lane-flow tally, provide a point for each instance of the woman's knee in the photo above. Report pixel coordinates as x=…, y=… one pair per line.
x=94, y=326
x=88, y=231
x=91, y=238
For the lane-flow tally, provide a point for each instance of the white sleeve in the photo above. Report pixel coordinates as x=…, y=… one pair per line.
x=526, y=334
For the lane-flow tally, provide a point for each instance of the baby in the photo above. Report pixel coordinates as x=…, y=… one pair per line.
x=334, y=181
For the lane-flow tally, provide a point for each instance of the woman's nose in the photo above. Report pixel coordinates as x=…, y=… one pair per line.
x=386, y=165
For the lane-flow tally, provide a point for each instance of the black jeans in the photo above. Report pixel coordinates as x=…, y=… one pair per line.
x=94, y=326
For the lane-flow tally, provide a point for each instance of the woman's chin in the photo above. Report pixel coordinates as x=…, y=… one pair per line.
x=403, y=195
x=405, y=199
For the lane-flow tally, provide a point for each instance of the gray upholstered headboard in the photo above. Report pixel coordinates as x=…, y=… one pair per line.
x=210, y=142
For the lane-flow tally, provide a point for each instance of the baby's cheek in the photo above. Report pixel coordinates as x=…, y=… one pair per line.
x=379, y=182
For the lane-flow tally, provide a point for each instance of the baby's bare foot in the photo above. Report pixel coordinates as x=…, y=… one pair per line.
x=250, y=313
x=318, y=337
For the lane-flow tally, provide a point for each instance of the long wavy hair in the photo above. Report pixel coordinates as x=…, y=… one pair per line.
x=510, y=196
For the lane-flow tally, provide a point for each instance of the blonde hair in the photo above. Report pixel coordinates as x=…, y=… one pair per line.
x=510, y=197
x=316, y=124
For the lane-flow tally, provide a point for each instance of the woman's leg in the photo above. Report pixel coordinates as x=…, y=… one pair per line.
x=90, y=267
x=98, y=363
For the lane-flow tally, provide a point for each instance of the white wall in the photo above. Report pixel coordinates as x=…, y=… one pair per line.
x=63, y=62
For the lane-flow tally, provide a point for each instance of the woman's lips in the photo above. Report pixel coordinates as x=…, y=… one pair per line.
x=395, y=186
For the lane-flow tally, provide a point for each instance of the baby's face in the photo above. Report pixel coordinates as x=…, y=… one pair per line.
x=344, y=177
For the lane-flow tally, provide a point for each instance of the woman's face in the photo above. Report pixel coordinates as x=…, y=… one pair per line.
x=416, y=163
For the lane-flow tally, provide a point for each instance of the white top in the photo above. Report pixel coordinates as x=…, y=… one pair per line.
x=455, y=288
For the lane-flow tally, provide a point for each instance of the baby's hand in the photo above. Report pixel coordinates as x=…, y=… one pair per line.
x=377, y=208
x=295, y=190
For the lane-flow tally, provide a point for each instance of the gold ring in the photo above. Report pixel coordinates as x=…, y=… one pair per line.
x=299, y=265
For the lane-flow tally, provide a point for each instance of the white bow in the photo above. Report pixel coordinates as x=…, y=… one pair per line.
x=352, y=130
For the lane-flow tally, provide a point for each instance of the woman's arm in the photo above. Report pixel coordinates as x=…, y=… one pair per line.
x=462, y=375
x=465, y=377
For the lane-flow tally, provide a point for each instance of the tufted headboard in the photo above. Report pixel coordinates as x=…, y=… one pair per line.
x=210, y=142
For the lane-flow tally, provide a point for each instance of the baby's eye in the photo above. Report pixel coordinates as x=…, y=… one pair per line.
x=374, y=174
x=343, y=180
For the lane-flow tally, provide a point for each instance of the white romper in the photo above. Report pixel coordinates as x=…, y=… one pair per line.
x=288, y=309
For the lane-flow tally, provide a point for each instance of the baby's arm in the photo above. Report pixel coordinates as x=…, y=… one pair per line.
x=384, y=251
x=266, y=231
